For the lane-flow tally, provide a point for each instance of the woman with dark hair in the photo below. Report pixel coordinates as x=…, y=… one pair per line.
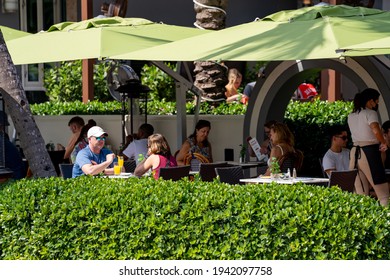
x=197, y=142
x=82, y=140
x=159, y=155
x=368, y=143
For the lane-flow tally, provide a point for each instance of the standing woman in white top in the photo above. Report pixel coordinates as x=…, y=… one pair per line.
x=368, y=143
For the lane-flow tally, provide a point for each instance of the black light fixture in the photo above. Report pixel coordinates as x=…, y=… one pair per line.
x=124, y=84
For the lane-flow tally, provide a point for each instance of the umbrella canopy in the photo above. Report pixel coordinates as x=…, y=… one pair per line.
x=10, y=33
x=95, y=38
x=307, y=33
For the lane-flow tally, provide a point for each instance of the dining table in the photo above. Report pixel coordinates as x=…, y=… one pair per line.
x=247, y=166
x=123, y=175
x=285, y=181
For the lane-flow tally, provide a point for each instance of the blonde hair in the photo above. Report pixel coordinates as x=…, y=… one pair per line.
x=157, y=144
x=234, y=74
x=283, y=134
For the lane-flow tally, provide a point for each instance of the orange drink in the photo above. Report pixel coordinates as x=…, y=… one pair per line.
x=117, y=169
x=120, y=161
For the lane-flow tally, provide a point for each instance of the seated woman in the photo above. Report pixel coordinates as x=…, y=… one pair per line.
x=282, y=141
x=82, y=141
x=159, y=155
x=197, y=142
x=235, y=79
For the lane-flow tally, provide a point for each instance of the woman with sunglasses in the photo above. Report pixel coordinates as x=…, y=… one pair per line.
x=368, y=143
x=159, y=155
x=337, y=157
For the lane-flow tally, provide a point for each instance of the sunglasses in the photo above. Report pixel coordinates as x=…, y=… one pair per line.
x=342, y=137
x=100, y=138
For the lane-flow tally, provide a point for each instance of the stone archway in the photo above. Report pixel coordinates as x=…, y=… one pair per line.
x=271, y=94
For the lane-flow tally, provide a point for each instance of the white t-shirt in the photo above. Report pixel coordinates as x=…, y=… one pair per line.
x=359, y=124
x=337, y=161
x=135, y=148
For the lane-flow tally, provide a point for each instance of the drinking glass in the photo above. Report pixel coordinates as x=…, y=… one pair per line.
x=117, y=169
x=120, y=161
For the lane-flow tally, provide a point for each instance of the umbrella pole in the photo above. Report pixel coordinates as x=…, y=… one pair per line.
x=146, y=108
x=123, y=118
x=131, y=113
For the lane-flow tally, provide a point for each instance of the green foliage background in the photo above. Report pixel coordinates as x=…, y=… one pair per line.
x=93, y=218
x=64, y=83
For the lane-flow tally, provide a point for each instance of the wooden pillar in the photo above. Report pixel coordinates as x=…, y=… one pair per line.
x=87, y=66
x=330, y=85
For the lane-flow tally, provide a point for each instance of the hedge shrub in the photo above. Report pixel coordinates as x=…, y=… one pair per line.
x=99, y=218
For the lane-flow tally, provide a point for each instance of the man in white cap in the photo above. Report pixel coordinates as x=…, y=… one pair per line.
x=94, y=158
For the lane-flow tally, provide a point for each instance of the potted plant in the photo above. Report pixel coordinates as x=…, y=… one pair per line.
x=242, y=152
x=274, y=168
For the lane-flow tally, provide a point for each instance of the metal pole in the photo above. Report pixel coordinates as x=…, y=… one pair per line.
x=123, y=99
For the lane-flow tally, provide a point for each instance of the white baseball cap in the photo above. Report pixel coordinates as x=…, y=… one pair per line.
x=96, y=131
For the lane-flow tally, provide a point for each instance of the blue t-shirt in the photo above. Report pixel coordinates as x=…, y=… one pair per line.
x=248, y=89
x=85, y=156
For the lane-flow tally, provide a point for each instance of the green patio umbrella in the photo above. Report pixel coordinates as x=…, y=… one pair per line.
x=95, y=38
x=11, y=33
x=378, y=46
x=308, y=33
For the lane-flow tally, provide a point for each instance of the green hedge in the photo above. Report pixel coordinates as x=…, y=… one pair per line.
x=154, y=107
x=99, y=218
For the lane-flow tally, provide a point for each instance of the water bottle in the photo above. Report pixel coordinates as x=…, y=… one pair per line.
x=294, y=173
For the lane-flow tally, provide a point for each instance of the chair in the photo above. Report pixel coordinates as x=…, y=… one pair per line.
x=291, y=160
x=207, y=170
x=194, y=160
x=130, y=165
x=322, y=168
x=344, y=179
x=66, y=170
x=175, y=173
x=230, y=175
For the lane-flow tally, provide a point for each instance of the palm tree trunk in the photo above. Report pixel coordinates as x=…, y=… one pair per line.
x=210, y=76
x=19, y=109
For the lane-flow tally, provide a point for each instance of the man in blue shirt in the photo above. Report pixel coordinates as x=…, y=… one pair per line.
x=95, y=158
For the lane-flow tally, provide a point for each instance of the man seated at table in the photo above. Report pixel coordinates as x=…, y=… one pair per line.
x=95, y=158
x=337, y=157
x=139, y=146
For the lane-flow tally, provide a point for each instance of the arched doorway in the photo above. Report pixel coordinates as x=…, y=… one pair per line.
x=271, y=94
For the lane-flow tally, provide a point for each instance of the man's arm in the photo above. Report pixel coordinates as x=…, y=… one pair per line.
x=93, y=168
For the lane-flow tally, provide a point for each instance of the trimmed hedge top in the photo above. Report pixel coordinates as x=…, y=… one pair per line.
x=99, y=218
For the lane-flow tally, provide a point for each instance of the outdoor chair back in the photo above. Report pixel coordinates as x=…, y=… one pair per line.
x=175, y=173
x=322, y=168
x=207, y=170
x=66, y=170
x=129, y=165
x=230, y=175
x=291, y=160
x=344, y=179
